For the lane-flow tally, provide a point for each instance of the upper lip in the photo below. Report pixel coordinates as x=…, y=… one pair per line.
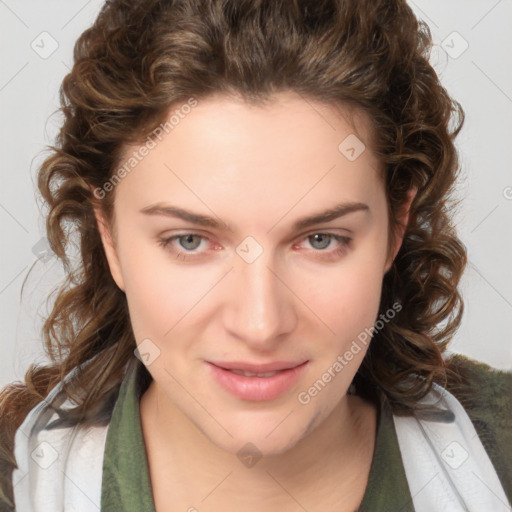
x=257, y=368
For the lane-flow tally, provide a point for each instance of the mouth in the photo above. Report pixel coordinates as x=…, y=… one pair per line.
x=251, y=374
x=257, y=382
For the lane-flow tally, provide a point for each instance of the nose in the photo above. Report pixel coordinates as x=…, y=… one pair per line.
x=260, y=308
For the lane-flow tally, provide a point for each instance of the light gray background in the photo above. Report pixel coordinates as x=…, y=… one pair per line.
x=479, y=78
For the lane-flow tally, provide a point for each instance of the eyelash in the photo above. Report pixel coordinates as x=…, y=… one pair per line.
x=344, y=243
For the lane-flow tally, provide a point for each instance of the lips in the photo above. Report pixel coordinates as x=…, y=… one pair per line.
x=257, y=368
x=257, y=382
x=252, y=374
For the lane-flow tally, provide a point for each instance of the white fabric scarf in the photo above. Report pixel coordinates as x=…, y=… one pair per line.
x=447, y=468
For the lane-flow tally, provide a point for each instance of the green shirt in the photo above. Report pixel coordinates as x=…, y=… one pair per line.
x=487, y=399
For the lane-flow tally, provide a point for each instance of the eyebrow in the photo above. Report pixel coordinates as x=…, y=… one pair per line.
x=204, y=220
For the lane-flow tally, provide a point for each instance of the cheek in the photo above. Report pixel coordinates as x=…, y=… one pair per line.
x=347, y=297
x=349, y=306
x=159, y=292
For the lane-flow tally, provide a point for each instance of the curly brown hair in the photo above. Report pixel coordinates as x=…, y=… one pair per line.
x=141, y=57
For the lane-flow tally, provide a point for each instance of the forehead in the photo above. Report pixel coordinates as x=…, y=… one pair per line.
x=225, y=150
x=227, y=119
x=287, y=115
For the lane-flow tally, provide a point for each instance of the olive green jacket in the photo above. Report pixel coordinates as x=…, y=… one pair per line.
x=487, y=400
x=123, y=484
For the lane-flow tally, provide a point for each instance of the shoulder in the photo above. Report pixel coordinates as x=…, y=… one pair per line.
x=486, y=395
x=485, y=392
x=48, y=452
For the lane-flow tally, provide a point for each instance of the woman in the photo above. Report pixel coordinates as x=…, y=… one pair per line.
x=267, y=278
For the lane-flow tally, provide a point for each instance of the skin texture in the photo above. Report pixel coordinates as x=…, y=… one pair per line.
x=258, y=169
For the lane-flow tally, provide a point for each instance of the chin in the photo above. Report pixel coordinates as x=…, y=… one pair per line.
x=263, y=440
x=243, y=446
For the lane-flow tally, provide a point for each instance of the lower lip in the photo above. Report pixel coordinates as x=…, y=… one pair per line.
x=257, y=388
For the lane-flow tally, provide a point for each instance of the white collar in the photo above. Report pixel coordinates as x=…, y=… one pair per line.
x=446, y=465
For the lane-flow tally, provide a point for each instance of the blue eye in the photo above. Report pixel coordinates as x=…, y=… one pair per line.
x=323, y=238
x=188, y=243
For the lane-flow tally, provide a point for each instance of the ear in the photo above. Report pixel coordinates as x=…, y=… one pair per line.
x=403, y=219
x=109, y=247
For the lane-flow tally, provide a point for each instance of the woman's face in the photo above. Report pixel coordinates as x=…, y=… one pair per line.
x=253, y=282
